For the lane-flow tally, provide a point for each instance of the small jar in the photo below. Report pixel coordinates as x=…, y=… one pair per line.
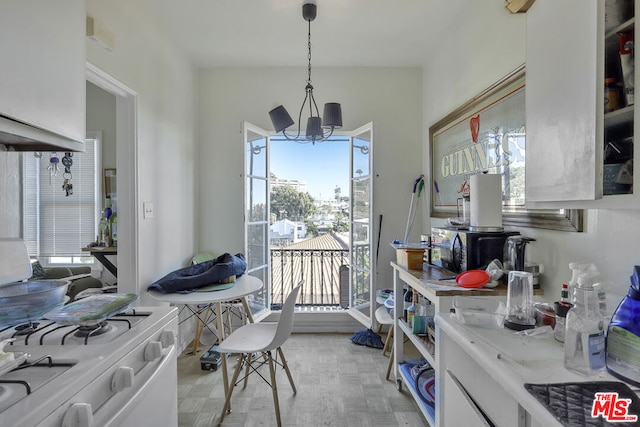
x=611, y=95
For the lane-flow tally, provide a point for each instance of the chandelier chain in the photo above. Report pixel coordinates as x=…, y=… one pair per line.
x=309, y=54
x=315, y=124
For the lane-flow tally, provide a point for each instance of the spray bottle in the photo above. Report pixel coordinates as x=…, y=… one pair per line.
x=623, y=335
x=584, y=341
x=577, y=269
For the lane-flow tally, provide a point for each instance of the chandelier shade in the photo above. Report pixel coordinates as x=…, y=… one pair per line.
x=280, y=118
x=332, y=116
x=317, y=129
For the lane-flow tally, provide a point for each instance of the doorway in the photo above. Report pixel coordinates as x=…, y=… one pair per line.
x=126, y=166
x=266, y=259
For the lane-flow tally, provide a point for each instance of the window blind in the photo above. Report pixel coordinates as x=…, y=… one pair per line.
x=56, y=224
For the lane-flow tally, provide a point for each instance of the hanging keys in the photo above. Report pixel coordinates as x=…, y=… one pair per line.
x=53, y=166
x=67, y=186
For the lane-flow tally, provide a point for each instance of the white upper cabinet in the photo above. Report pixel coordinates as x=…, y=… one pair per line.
x=578, y=155
x=42, y=58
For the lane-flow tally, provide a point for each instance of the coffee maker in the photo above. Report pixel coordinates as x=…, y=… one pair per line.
x=514, y=250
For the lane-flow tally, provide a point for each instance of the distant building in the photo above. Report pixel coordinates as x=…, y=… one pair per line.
x=286, y=232
x=299, y=186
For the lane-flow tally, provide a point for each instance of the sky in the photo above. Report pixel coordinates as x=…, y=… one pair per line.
x=323, y=166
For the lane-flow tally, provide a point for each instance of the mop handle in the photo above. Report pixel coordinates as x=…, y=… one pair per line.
x=417, y=185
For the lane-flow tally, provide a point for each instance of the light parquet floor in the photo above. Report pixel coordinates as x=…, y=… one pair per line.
x=339, y=383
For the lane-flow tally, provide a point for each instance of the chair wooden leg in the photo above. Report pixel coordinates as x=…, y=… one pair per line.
x=198, y=332
x=246, y=373
x=387, y=342
x=286, y=369
x=390, y=363
x=227, y=400
x=274, y=388
x=202, y=319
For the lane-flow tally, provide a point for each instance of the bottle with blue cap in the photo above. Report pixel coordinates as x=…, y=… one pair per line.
x=623, y=335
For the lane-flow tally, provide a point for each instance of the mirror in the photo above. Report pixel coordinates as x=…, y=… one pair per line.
x=110, y=189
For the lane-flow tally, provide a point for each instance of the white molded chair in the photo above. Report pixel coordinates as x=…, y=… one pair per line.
x=264, y=338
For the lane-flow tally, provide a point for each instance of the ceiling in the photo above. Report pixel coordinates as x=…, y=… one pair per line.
x=247, y=33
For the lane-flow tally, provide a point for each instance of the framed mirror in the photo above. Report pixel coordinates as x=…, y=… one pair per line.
x=488, y=135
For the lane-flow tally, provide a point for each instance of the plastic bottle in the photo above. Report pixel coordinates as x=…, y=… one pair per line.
x=580, y=269
x=407, y=303
x=103, y=230
x=584, y=341
x=114, y=229
x=412, y=309
x=623, y=335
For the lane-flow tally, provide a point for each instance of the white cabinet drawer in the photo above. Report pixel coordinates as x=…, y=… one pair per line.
x=489, y=396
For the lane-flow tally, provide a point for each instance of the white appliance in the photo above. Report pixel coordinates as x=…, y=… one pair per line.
x=122, y=373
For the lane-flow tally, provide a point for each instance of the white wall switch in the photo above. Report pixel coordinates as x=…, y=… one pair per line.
x=147, y=208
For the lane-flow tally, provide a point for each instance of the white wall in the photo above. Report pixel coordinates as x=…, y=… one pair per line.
x=101, y=116
x=165, y=82
x=390, y=97
x=486, y=45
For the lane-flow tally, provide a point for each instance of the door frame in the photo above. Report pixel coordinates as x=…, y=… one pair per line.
x=127, y=167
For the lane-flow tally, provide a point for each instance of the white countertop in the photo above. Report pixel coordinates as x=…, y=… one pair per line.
x=513, y=360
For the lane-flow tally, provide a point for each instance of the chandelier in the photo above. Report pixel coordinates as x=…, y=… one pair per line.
x=317, y=129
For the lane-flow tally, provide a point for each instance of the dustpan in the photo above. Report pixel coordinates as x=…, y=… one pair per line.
x=368, y=338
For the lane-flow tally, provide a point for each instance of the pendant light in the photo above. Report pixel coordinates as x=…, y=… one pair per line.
x=317, y=129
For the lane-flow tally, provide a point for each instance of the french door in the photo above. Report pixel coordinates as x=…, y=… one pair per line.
x=256, y=213
x=361, y=282
x=257, y=209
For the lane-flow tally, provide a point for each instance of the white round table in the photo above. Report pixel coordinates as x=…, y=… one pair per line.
x=244, y=285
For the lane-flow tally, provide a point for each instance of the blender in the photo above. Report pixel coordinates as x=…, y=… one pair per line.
x=520, y=312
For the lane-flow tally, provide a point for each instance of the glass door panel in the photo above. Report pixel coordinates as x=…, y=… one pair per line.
x=256, y=143
x=361, y=284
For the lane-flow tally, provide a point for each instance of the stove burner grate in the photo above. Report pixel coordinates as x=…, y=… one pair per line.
x=46, y=361
x=26, y=328
x=93, y=330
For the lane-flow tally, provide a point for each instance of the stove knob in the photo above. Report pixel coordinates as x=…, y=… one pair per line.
x=167, y=338
x=78, y=415
x=153, y=351
x=122, y=378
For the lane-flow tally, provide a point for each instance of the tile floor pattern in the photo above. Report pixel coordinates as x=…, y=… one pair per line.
x=339, y=384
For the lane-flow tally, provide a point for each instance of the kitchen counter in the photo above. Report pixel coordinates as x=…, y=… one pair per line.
x=439, y=287
x=439, y=282
x=494, y=364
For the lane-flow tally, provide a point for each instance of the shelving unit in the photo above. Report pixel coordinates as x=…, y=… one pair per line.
x=619, y=123
x=441, y=294
x=565, y=106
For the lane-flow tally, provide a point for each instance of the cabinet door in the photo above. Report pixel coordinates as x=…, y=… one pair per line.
x=564, y=100
x=459, y=408
x=42, y=58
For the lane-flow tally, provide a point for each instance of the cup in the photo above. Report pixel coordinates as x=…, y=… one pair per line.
x=520, y=312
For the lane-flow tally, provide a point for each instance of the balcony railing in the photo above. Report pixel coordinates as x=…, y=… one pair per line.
x=321, y=272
